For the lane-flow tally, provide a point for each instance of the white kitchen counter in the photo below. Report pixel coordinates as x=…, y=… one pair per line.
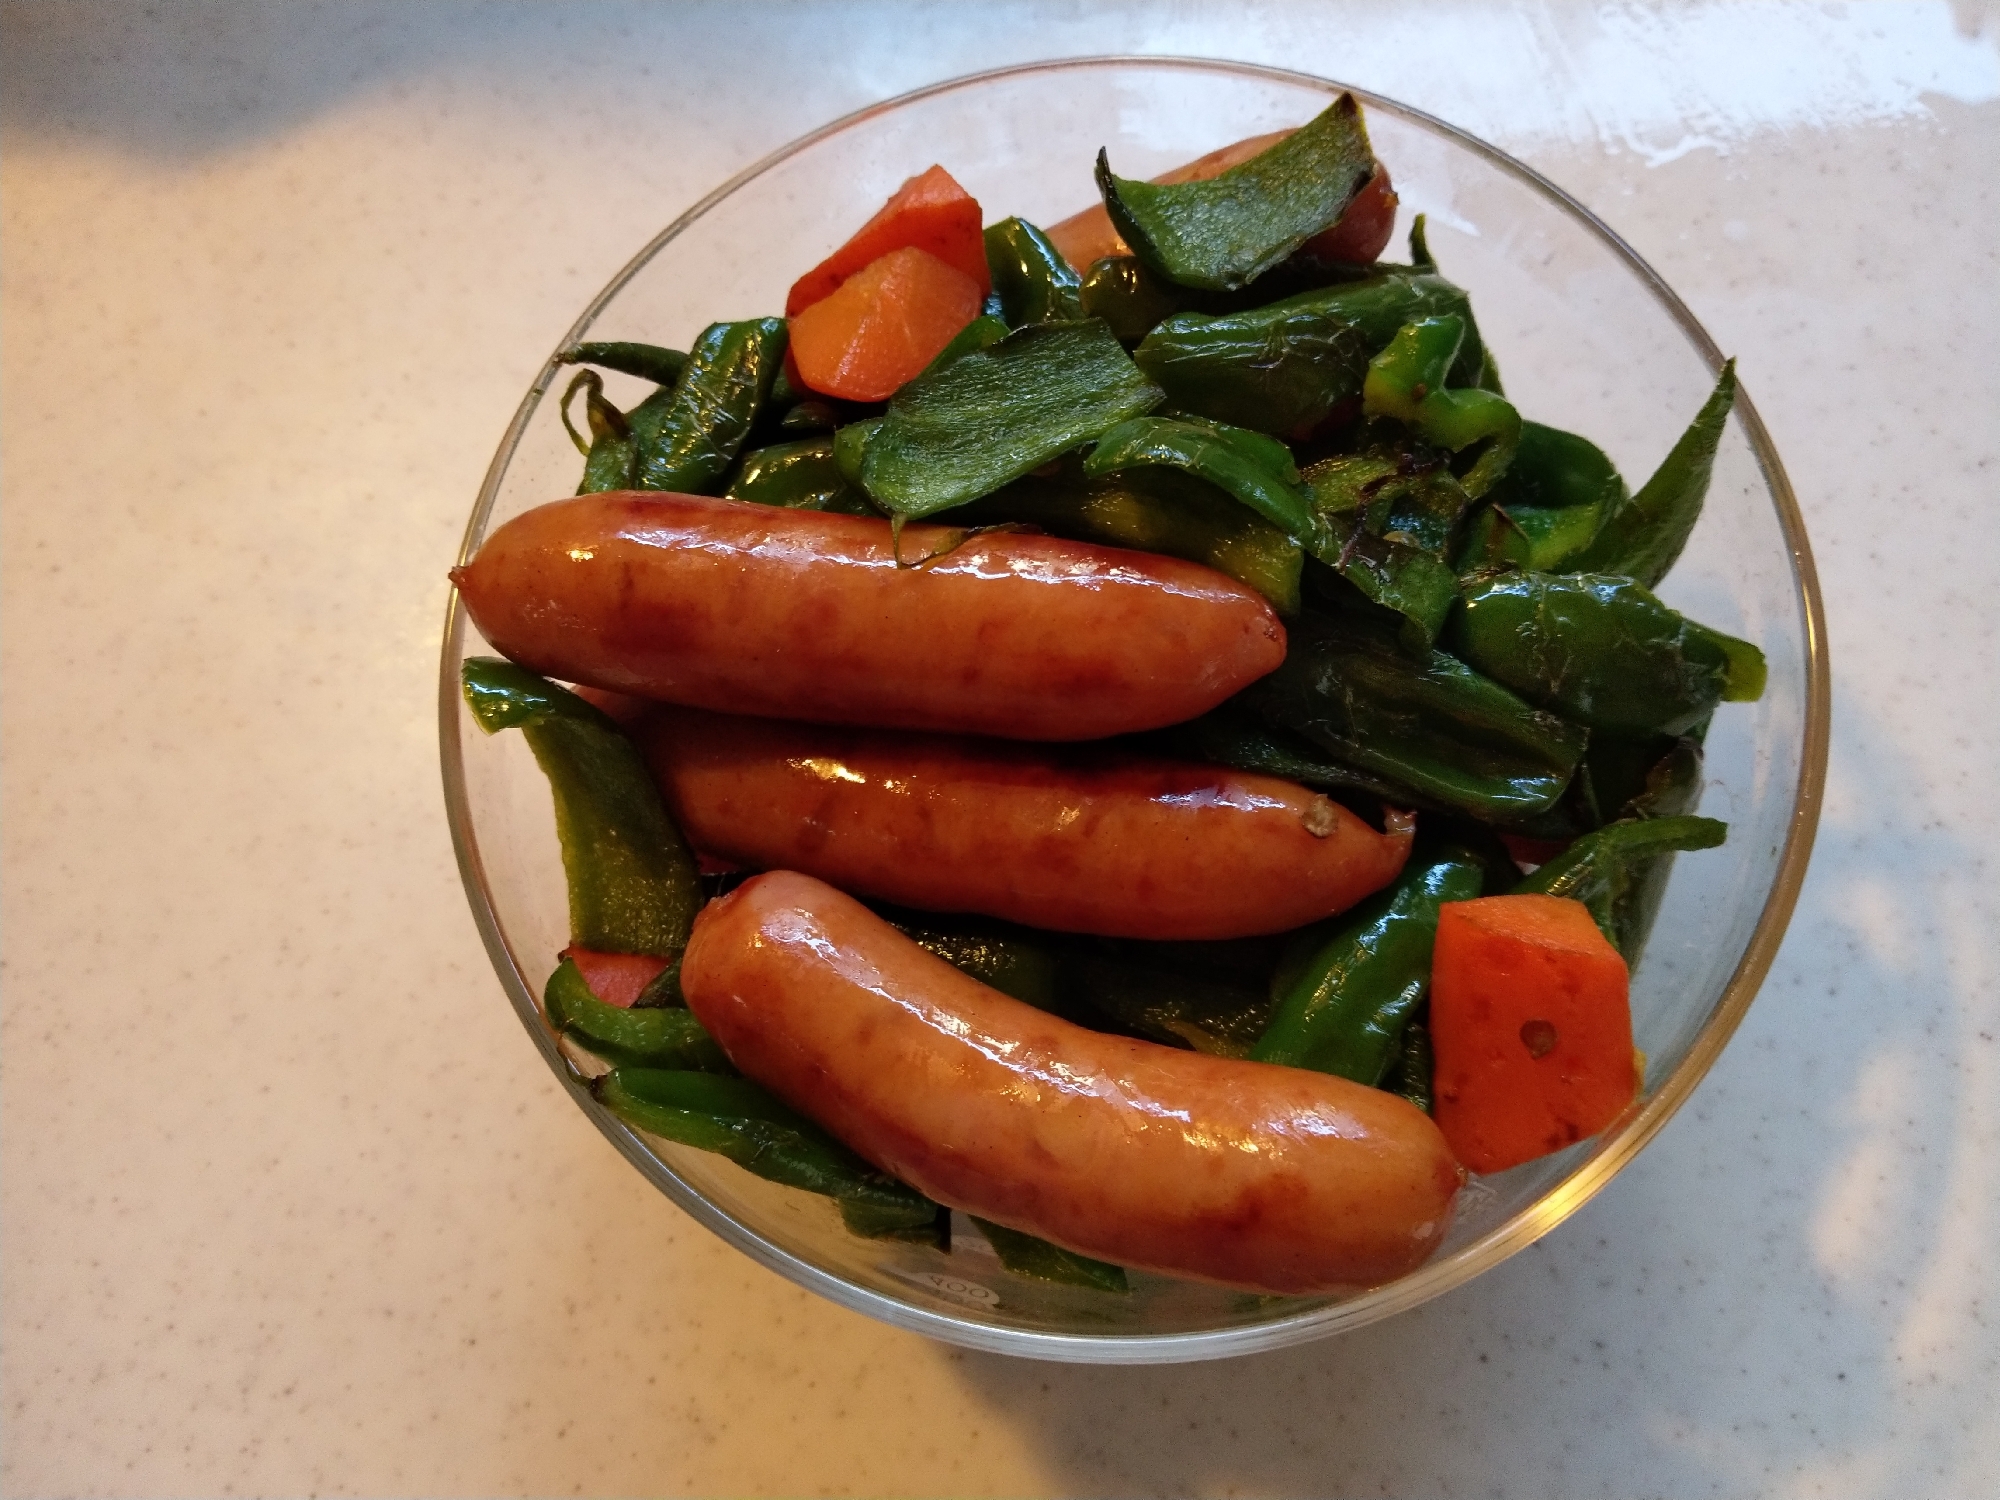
x=288, y=1202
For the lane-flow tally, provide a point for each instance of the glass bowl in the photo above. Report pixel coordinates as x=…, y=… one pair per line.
x=1590, y=339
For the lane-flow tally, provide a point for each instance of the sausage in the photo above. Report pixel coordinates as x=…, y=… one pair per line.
x=1357, y=237
x=1246, y=1174
x=800, y=614
x=1077, y=839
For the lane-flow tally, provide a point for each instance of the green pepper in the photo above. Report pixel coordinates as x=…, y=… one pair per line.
x=959, y=433
x=810, y=417
x=1430, y=723
x=1024, y=1255
x=1129, y=298
x=1179, y=1007
x=1281, y=374
x=632, y=885
x=1407, y=381
x=1225, y=232
x=737, y=1119
x=1415, y=1066
x=1157, y=510
x=1533, y=537
x=1602, y=651
x=653, y=1037
x=1248, y=466
x=850, y=448
x=1021, y=964
x=1412, y=582
x=647, y=361
x=1234, y=737
x=702, y=424
x=609, y=453
x=1346, y=1012
x=1642, y=537
x=1605, y=870
x=981, y=333
x=1032, y=280
x=803, y=475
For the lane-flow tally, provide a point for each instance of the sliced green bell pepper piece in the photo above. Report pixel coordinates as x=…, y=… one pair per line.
x=737, y=1119
x=1407, y=381
x=1281, y=374
x=1643, y=537
x=803, y=475
x=1345, y=1013
x=1024, y=1255
x=652, y=1037
x=953, y=435
x=1030, y=277
x=632, y=883
x=689, y=444
x=1225, y=232
x=1250, y=467
x=1430, y=723
x=1602, y=651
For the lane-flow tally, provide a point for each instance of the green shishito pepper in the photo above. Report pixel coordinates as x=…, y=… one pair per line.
x=1156, y=510
x=1030, y=277
x=1130, y=299
x=1429, y=723
x=1346, y=1011
x=735, y=1118
x=1602, y=651
x=1232, y=736
x=1024, y=1255
x=632, y=883
x=957, y=433
x=798, y=476
x=1642, y=537
x=1248, y=466
x=1606, y=871
x=1225, y=232
x=1407, y=381
x=1415, y=1065
x=1280, y=374
x=611, y=448
x=645, y=1037
x=647, y=361
x=689, y=441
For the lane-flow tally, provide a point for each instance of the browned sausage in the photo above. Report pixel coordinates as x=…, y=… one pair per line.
x=798, y=614
x=1358, y=236
x=1078, y=839
x=1247, y=1174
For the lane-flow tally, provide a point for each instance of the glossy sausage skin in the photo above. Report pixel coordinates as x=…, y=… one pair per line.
x=803, y=615
x=1077, y=839
x=1246, y=1174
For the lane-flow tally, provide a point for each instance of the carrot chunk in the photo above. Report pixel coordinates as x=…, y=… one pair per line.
x=929, y=212
x=1531, y=1021
x=616, y=978
x=883, y=325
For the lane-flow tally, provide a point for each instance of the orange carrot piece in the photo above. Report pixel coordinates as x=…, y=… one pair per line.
x=616, y=978
x=883, y=325
x=1532, y=1028
x=929, y=212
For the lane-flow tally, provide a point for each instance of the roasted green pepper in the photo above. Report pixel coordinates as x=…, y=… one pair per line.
x=1604, y=870
x=1024, y=1255
x=1346, y=1011
x=611, y=448
x=1406, y=381
x=704, y=420
x=1030, y=277
x=632, y=885
x=803, y=475
x=961, y=432
x=647, y=361
x=1227, y=231
x=1602, y=651
x=1642, y=537
x=737, y=1119
x=649, y=1037
x=1430, y=723
x=1281, y=374
x=1233, y=736
x=1248, y=466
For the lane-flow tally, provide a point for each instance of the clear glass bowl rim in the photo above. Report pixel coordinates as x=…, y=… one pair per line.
x=1517, y=1232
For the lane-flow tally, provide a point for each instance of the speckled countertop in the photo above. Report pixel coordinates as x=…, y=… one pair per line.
x=289, y=1203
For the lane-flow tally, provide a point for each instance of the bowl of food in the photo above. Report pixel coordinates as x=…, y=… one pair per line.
x=1091, y=781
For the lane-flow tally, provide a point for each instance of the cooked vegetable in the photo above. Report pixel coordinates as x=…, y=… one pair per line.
x=1604, y=870
x=1280, y=374
x=882, y=326
x=1407, y=381
x=632, y=885
x=1030, y=277
x=1224, y=232
x=689, y=441
x=930, y=212
x=1025, y=1255
x=1531, y=1026
x=653, y=1037
x=995, y=413
x=1602, y=651
x=647, y=361
x=611, y=450
x=799, y=476
x=1248, y=466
